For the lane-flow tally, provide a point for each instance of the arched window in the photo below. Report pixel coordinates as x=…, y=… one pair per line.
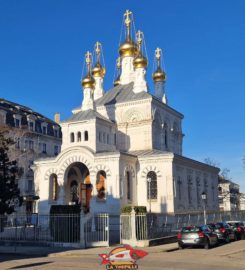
x=100, y=184
x=86, y=135
x=79, y=136
x=74, y=192
x=129, y=187
x=166, y=136
x=151, y=185
x=72, y=137
x=54, y=187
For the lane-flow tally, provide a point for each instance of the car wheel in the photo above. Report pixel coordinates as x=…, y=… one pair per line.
x=207, y=244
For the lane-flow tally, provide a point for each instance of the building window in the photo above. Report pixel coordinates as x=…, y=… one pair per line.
x=72, y=137
x=104, y=140
x=179, y=183
x=56, y=150
x=115, y=138
x=166, y=136
x=198, y=191
x=100, y=184
x=79, y=136
x=86, y=135
x=56, y=134
x=54, y=187
x=74, y=192
x=44, y=130
x=31, y=145
x=129, y=185
x=31, y=126
x=17, y=123
x=151, y=185
x=18, y=143
x=108, y=139
x=99, y=136
x=44, y=148
x=29, y=186
x=189, y=181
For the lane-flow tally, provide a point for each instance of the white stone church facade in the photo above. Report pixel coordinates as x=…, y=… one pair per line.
x=124, y=146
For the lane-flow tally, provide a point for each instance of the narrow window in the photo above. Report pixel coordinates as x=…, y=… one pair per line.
x=100, y=184
x=151, y=185
x=74, y=192
x=108, y=139
x=72, y=137
x=79, y=136
x=44, y=148
x=56, y=150
x=17, y=123
x=129, y=191
x=86, y=135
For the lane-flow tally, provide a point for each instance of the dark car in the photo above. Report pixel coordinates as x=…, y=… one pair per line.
x=196, y=236
x=238, y=228
x=223, y=231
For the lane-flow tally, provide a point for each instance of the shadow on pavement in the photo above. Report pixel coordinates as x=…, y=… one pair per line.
x=29, y=265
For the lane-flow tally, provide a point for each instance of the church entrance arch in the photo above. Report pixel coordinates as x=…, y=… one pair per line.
x=78, y=188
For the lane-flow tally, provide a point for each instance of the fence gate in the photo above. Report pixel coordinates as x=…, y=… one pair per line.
x=96, y=231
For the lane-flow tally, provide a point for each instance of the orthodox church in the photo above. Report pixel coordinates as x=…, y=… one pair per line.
x=124, y=146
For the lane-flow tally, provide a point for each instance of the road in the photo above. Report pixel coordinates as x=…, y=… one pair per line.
x=230, y=256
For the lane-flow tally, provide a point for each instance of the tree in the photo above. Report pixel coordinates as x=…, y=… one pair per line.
x=9, y=191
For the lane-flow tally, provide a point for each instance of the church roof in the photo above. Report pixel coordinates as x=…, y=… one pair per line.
x=120, y=94
x=86, y=115
x=151, y=152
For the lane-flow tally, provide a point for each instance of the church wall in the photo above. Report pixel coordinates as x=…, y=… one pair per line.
x=68, y=128
x=190, y=180
x=105, y=136
x=128, y=180
x=166, y=129
x=162, y=166
x=133, y=118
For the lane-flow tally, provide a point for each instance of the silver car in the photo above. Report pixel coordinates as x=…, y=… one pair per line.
x=197, y=236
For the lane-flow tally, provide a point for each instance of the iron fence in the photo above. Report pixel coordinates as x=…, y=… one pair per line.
x=40, y=228
x=152, y=225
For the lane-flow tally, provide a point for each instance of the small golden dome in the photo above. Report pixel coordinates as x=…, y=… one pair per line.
x=140, y=62
x=159, y=75
x=128, y=48
x=98, y=71
x=88, y=82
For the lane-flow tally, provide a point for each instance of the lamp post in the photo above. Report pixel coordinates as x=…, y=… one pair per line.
x=204, y=198
x=149, y=195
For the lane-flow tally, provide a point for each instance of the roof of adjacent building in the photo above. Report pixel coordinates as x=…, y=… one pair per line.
x=86, y=115
x=12, y=108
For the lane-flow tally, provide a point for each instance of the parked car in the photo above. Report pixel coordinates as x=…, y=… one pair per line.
x=223, y=231
x=196, y=236
x=239, y=229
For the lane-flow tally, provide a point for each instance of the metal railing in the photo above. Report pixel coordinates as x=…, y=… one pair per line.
x=151, y=225
x=40, y=228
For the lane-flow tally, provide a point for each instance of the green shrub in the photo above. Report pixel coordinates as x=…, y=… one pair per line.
x=138, y=209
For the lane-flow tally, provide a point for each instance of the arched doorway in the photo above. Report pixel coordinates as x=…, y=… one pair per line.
x=78, y=188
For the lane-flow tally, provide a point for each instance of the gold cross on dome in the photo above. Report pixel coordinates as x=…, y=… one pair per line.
x=98, y=50
x=139, y=36
x=127, y=17
x=158, y=53
x=88, y=59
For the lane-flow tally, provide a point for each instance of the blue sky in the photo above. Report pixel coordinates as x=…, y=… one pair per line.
x=42, y=44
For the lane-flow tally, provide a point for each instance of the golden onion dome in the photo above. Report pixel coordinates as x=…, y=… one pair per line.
x=159, y=75
x=88, y=82
x=98, y=71
x=140, y=62
x=128, y=48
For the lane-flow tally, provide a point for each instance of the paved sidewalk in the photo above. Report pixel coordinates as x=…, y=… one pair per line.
x=34, y=251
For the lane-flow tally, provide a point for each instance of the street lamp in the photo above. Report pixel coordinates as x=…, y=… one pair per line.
x=204, y=198
x=149, y=195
